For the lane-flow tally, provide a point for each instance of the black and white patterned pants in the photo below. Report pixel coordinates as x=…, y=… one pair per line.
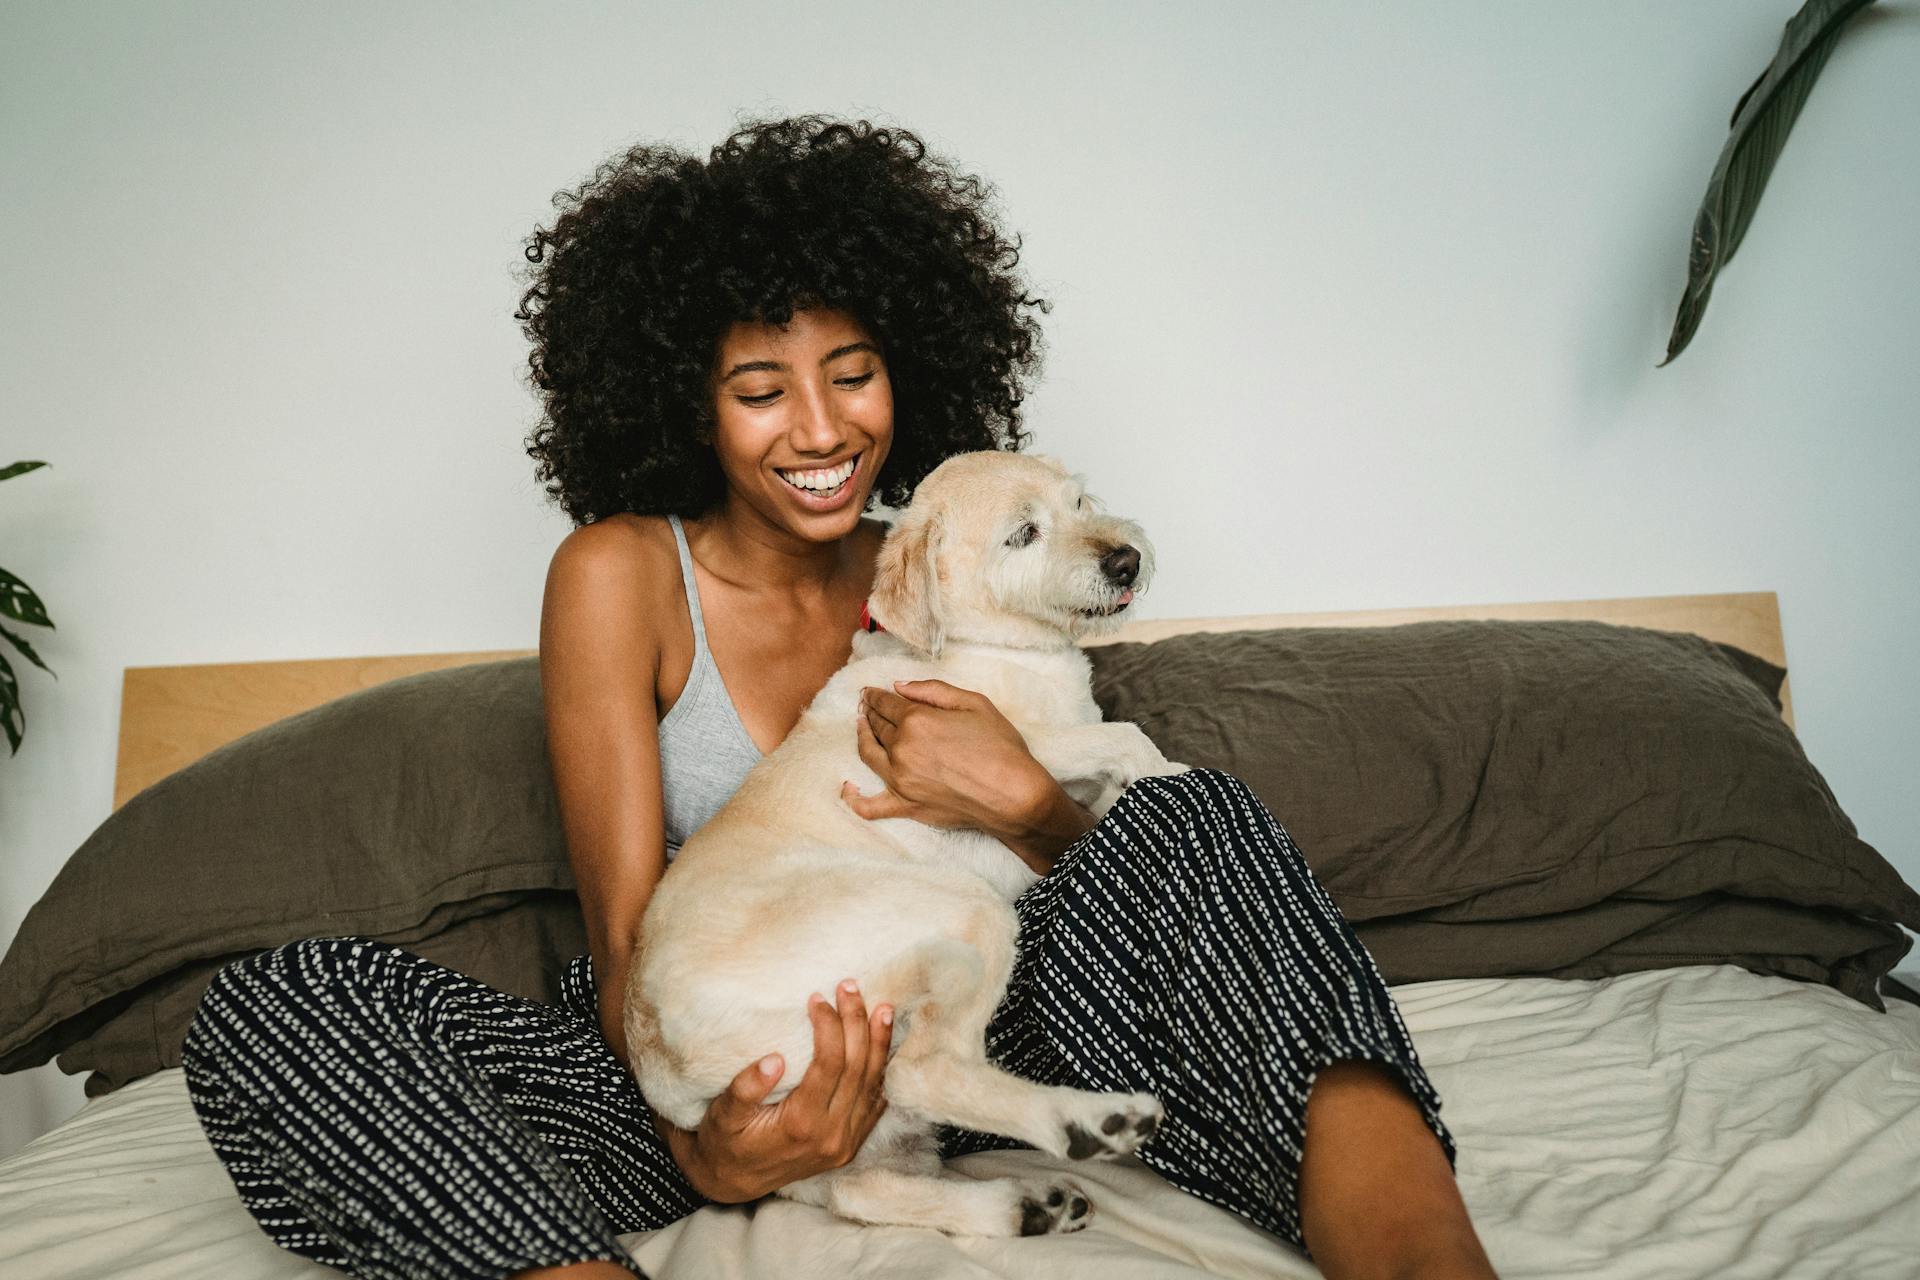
x=392, y=1118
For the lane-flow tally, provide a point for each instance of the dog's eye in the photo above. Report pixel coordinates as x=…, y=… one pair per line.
x=1025, y=534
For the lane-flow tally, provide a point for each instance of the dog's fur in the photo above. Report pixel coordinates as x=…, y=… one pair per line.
x=786, y=890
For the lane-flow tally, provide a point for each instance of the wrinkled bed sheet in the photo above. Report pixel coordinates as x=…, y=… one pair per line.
x=1678, y=1123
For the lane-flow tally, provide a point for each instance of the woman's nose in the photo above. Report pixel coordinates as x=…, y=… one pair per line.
x=816, y=427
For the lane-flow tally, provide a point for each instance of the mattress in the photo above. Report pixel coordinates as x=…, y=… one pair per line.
x=1684, y=1122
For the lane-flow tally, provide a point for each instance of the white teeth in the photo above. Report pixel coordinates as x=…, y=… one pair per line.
x=820, y=481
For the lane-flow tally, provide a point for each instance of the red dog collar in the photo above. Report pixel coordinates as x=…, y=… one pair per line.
x=867, y=622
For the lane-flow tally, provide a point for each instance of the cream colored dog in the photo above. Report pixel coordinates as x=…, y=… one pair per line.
x=1001, y=563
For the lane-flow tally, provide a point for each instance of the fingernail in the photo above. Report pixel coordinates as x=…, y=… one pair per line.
x=769, y=1064
x=815, y=996
x=851, y=987
x=886, y=1017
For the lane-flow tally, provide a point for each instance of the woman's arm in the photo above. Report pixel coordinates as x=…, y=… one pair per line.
x=950, y=759
x=599, y=665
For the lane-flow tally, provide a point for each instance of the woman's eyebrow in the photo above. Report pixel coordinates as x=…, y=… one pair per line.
x=775, y=366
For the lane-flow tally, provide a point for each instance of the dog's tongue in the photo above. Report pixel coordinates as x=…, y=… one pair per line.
x=1126, y=597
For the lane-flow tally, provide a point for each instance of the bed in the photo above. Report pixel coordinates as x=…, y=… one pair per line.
x=1655, y=1065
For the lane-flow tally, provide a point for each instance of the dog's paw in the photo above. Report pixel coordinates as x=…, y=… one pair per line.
x=1114, y=1125
x=1053, y=1208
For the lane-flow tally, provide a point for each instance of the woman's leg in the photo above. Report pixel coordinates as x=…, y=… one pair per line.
x=1184, y=947
x=389, y=1117
x=1377, y=1196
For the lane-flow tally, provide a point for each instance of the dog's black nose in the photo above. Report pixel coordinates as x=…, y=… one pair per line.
x=1121, y=565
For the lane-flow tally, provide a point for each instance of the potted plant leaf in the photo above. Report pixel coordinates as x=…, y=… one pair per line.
x=1761, y=120
x=20, y=604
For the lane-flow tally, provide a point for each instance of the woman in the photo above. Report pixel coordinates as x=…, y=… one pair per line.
x=736, y=356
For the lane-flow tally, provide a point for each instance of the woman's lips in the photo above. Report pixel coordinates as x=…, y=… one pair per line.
x=813, y=501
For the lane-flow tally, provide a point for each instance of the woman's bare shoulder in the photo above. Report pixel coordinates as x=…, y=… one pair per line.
x=615, y=573
x=623, y=545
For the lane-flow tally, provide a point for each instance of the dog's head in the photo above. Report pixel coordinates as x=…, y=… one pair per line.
x=1006, y=548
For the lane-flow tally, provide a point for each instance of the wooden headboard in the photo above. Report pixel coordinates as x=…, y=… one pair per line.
x=171, y=716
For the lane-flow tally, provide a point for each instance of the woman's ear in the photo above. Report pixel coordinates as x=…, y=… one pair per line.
x=906, y=583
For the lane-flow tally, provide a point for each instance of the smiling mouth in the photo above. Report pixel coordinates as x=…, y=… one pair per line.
x=821, y=482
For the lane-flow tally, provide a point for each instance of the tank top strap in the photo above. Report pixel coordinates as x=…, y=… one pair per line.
x=692, y=588
x=705, y=749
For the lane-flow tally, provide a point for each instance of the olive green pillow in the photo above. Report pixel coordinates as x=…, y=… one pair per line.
x=1573, y=799
x=419, y=812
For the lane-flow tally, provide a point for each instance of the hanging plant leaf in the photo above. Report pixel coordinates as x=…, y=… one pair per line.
x=18, y=602
x=20, y=643
x=1761, y=121
x=11, y=716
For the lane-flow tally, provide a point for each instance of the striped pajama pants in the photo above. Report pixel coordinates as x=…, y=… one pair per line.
x=391, y=1118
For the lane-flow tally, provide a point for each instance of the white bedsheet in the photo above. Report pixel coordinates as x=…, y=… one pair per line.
x=1681, y=1123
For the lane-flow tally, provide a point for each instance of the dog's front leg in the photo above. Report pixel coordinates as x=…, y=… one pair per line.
x=1094, y=763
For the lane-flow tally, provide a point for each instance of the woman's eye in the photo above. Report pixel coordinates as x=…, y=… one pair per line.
x=859, y=380
x=1024, y=535
x=764, y=398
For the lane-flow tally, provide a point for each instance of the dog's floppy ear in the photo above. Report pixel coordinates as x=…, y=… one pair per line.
x=906, y=584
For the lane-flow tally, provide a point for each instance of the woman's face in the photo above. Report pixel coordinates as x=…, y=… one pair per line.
x=793, y=407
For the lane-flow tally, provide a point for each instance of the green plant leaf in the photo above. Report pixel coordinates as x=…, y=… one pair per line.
x=1761, y=121
x=18, y=602
x=20, y=643
x=11, y=716
x=19, y=469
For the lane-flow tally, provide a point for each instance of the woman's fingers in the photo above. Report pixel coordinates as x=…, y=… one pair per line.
x=808, y=1101
x=855, y=1040
x=861, y=1097
x=883, y=708
x=937, y=693
x=872, y=754
x=879, y=1045
x=752, y=1085
x=885, y=804
x=877, y=724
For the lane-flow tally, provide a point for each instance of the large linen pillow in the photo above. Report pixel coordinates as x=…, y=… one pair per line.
x=1570, y=799
x=419, y=812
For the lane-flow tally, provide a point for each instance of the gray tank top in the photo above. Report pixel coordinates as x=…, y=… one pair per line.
x=705, y=750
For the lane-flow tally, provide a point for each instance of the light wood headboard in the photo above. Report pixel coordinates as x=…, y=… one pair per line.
x=171, y=716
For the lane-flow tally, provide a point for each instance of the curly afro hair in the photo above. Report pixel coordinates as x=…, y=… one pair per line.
x=658, y=254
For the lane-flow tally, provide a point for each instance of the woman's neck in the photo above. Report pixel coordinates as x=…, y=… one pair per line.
x=746, y=551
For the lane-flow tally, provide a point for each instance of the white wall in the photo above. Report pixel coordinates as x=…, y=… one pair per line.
x=1357, y=306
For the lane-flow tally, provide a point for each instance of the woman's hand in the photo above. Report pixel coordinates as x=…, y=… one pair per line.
x=745, y=1149
x=948, y=758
